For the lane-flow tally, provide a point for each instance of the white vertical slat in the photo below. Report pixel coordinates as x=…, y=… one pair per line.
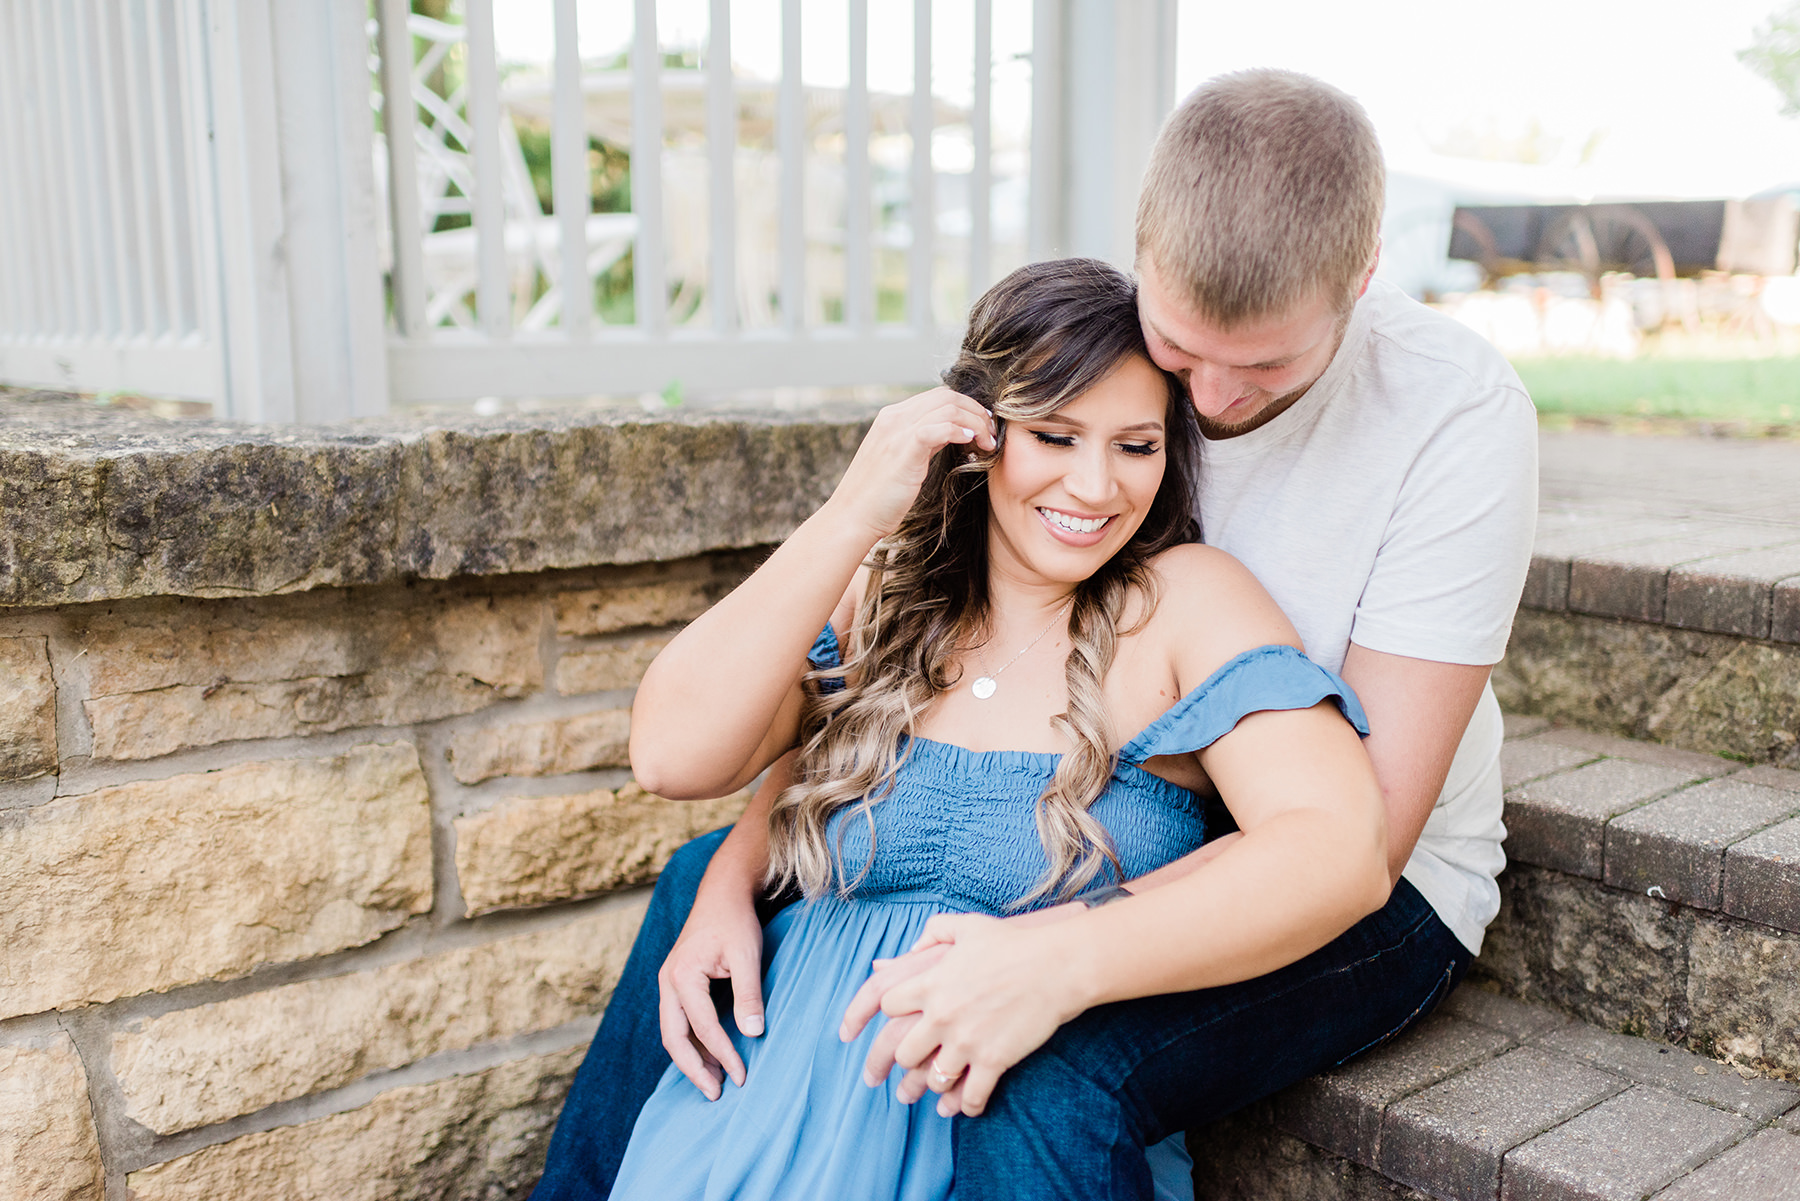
x=859, y=283
x=12, y=214
x=646, y=170
x=120, y=277
x=1045, y=222
x=790, y=145
x=167, y=152
x=137, y=139
x=184, y=97
x=71, y=101
x=981, y=175
x=721, y=171
x=204, y=223
x=399, y=118
x=924, y=199
x=493, y=303
x=569, y=176
x=53, y=261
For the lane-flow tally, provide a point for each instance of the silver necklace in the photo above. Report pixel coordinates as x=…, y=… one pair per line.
x=984, y=686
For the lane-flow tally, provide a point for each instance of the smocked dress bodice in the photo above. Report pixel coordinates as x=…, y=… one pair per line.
x=957, y=831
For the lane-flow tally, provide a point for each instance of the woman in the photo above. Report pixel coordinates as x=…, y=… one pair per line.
x=1011, y=560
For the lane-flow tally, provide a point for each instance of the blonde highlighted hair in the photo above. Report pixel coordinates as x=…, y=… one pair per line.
x=1036, y=341
x=1264, y=190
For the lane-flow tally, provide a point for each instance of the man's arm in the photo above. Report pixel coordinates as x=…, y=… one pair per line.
x=1418, y=710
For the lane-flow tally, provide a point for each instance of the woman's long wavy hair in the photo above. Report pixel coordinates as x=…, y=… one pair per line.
x=1037, y=340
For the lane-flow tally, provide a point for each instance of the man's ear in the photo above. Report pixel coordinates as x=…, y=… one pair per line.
x=1370, y=273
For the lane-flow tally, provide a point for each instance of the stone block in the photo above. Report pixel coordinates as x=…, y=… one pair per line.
x=536, y=850
x=144, y=886
x=606, y=610
x=550, y=747
x=203, y=673
x=194, y=1067
x=1678, y=844
x=468, y=1138
x=1546, y=583
x=1762, y=876
x=1695, y=763
x=1340, y=1110
x=1245, y=1158
x=605, y=668
x=1513, y=1018
x=1772, y=777
x=1790, y=1121
x=1619, y=1150
x=1765, y=1167
x=1636, y=591
x=1560, y=822
x=1784, y=612
x=1527, y=759
x=1692, y=1076
x=1730, y=593
x=1449, y=1139
x=1741, y=992
x=49, y=1150
x=27, y=709
x=1615, y=959
x=1704, y=692
x=1521, y=725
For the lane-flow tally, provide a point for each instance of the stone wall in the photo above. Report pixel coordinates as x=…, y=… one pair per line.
x=319, y=847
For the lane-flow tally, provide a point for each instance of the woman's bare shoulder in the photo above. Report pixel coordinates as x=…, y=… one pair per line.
x=1209, y=609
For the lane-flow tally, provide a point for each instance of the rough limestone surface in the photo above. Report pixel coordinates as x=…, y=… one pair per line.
x=543, y=748
x=1245, y=1158
x=1707, y=692
x=1743, y=994
x=27, y=709
x=179, y=674
x=605, y=610
x=144, y=886
x=197, y=1066
x=104, y=506
x=1612, y=957
x=48, y=1147
x=480, y=1137
x=605, y=668
x=535, y=850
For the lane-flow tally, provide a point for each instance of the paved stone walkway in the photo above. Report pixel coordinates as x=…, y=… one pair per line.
x=1696, y=533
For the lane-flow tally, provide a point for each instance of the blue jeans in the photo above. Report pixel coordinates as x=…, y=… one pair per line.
x=1073, y=1118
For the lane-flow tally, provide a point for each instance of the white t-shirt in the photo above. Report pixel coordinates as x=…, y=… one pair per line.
x=1393, y=506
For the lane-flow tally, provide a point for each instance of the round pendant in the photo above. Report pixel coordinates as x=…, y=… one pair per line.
x=983, y=688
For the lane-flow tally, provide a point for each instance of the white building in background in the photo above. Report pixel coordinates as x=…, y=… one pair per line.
x=207, y=217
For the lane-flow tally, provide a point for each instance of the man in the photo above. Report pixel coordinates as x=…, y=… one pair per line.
x=1374, y=464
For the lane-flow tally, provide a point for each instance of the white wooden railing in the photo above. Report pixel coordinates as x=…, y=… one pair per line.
x=279, y=207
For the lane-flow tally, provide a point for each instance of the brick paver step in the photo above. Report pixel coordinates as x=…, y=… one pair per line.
x=1651, y=889
x=1493, y=1099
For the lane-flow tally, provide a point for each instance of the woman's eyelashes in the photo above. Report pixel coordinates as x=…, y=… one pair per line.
x=1139, y=449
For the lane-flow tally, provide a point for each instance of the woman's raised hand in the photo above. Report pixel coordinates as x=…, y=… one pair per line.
x=885, y=476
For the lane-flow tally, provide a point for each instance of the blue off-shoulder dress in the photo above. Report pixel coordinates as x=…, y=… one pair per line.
x=957, y=833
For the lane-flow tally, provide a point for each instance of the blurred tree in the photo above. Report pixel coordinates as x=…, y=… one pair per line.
x=1775, y=55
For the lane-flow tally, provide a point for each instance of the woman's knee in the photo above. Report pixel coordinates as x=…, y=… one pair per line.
x=680, y=877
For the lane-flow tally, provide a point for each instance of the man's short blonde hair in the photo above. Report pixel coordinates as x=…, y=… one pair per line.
x=1264, y=190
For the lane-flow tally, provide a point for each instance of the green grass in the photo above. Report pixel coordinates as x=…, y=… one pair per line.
x=1710, y=389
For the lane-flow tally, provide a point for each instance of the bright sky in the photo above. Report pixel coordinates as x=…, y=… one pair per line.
x=1654, y=86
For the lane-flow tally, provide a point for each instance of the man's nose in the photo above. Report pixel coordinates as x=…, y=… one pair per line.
x=1213, y=390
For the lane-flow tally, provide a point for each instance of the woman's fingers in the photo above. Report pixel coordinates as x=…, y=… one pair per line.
x=880, y=1059
x=977, y=1088
x=940, y=930
x=869, y=999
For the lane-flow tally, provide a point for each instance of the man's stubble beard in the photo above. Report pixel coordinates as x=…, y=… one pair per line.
x=1220, y=430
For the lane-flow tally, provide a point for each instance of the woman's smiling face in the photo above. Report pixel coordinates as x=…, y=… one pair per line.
x=1070, y=489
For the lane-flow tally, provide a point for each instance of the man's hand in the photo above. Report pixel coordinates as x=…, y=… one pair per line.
x=722, y=940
